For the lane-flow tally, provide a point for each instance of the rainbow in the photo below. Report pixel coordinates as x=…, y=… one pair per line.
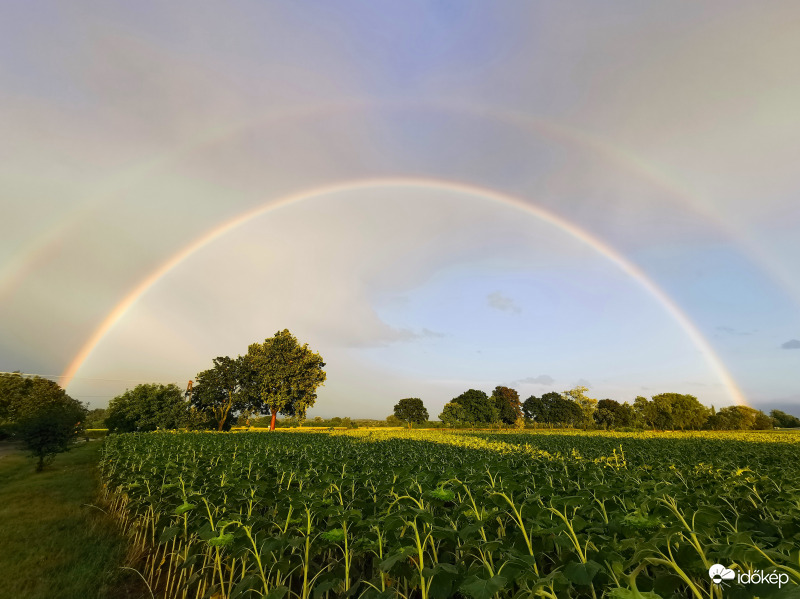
x=119, y=311
x=37, y=249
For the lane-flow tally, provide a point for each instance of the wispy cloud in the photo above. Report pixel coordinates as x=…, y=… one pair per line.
x=732, y=331
x=498, y=301
x=584, y=383
x=791, y=344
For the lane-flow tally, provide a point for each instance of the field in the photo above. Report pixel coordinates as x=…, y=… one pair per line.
x=437, y=514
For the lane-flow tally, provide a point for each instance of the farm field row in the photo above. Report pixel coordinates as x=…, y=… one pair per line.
x=437, y=514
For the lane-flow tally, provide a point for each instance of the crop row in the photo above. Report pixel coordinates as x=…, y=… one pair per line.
x=437, y=514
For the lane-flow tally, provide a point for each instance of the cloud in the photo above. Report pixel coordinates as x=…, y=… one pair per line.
x=583, y=383
x=499, y=302
x=542, y=379
x=791, y=344
x=732, y=331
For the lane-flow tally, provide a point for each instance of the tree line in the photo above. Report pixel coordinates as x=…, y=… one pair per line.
x=574, y=408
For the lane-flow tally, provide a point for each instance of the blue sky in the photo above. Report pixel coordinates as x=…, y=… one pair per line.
x=667, y=133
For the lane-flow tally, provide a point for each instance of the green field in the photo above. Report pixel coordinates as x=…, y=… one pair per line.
x=56, y=542
x=458, y=514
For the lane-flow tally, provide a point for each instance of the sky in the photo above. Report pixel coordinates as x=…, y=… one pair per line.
x=435, y=196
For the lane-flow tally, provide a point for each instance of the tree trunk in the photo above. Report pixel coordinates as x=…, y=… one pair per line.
x=272, y=422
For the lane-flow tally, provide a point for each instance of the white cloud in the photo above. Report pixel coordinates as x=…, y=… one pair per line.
x=500, y=302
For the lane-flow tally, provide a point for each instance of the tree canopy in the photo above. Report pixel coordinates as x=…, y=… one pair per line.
x=40, y=414
x=476, y=408
x=507, y=402
x=224, y=389
x=285, y=376
x=411, y=410
x=51, y=430
x=147, y=407
x=784, y=420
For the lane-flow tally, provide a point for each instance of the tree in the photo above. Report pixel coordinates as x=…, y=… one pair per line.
x=507, y=402
x=611, y=413
x=533, y=409
x=285, y=375
x=739, y=418
x=147, y=407
x=477, y=407
x=392, y=420
x=555, y=410
x=685, y=410
x=656, y=413
x=51, y=429
x=411, y=410
x=22, y=396
x=453, y=414
x=586, y=404
x=223, y=389
x=784, y=420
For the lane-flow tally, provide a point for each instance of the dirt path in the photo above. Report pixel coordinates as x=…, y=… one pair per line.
x=7, y=448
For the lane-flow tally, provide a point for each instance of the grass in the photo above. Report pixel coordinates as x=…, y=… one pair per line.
x=55, y=545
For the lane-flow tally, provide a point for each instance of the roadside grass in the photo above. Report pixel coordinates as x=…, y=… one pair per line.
x=53, y=543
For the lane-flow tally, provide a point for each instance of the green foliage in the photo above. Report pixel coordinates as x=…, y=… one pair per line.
x=586, y=404
x=411, y=410
x=96, y=418
x=21, y=397
x=685, y=412
x=56, y=544
x=50, y=430
x=148, y=407
x=507, y=402
x=41, y=414
x=553, y=409
x=476, y=408
x=612, y=414
x=392, y=420
x=784, y=420
x=453, y=414
x=739, y=418
x=285, y=375
x=222, y=390
x=443, y=514
x=533, y=409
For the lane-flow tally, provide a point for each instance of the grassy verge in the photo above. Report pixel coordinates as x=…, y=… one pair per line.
x=54, y=544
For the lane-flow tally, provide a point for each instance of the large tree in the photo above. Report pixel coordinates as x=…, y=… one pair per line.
x=147, y=407
x=685, y=410
x=508, y=405
x=22, y=396
x=477, y=407
x=411, y=410
x=533, y=409
x=584, y=402
x=225, y=388
x=285, y=376
x=453, y=414
x=610, y=413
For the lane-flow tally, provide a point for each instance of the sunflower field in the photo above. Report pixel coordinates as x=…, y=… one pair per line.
x=440, y=514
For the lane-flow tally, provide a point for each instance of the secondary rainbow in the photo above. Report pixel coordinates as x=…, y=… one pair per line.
x=713, y=361
x=42, y=247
